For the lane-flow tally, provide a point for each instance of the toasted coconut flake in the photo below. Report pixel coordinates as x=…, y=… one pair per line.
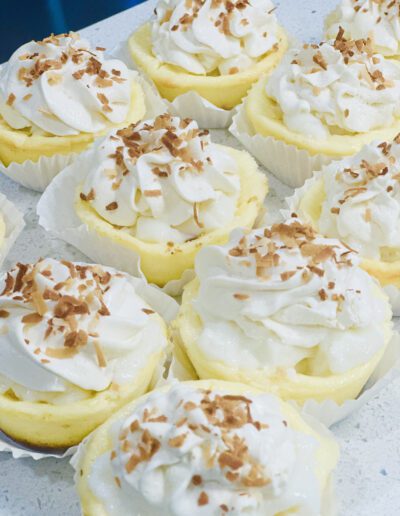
x=203, y=499
x=241, y=297
x=177, y=442
x=33, y=318
x=10, y=100
x=148, y=311
x=101, y=359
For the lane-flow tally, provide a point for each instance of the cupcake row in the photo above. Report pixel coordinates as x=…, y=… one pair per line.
x=303, y=104
x=278, y=314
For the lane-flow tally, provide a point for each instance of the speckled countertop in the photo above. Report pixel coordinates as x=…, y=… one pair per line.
x=368, y=475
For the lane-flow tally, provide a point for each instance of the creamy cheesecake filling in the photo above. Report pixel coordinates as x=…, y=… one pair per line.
x=69, y=330
x=195, y=451
x=62, y=86
x=162, y=180
x=204, y=36
x=283, y=297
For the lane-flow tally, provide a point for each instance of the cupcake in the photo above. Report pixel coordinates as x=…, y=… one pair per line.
x=58, y=95
x=207, y=447
x=324, y=102
x=157, y=191
x=216, y=48
x=286, y=311
x=76, y=343
x=361, y=19
x=357, y=200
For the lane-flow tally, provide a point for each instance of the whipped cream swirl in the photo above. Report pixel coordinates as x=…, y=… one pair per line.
x=361, y=203
x=203, y=36
x=69, y=329
x=337, y=87
x=162, y=180
x=61, y=86
x=375, y=19
x=280, y=295
x=192, y=451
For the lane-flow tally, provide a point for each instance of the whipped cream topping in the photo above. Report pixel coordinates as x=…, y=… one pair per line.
x=62, y=86
x=192, y=451
x=203, y=36
x=69, y=329
x=362, y=199
x=162, y=180
x=336, y=87
x=2, y=229
x=375, y=19
x=280, y=295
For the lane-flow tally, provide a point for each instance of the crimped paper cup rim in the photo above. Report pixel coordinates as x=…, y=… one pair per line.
x=291, y=165
x=14, y=223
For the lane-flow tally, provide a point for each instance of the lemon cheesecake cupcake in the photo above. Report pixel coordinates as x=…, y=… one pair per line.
x=357, y=200
x=163, y=190
x=59, y=94
x=77, y=342
x=287, y=311
x=206, y=447
x=324, y=102
x=216, y=48
x=378, y=20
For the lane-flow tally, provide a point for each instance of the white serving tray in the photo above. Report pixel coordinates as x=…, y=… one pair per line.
x=368, y=477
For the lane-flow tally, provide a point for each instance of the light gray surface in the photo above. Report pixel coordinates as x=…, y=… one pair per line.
x=369, y=470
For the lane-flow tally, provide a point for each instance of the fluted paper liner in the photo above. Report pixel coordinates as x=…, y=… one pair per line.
x=329, y=412
x=286, y=162
x=166, y=307
x=187, y=105
x=14, y=223
x=39, y=174
x=36, y=175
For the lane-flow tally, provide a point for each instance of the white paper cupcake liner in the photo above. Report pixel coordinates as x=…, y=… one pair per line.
x=174, y=288
x=19, y=451
x=206, y=114
x=187, y=105
x=39, y=174
x=329, y=412
x=286, y=162
x=14, y=222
